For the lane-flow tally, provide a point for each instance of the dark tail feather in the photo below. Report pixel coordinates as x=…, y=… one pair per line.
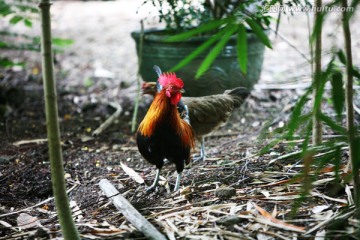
x=239, y=95
x=158, y=72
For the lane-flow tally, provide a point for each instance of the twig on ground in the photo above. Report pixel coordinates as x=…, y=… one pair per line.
x=129, y=212
x=110, y=120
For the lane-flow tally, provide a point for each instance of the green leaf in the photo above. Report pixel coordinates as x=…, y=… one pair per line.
x=213, y=25
x=332, y=124
x=356, y=73
x=4, y=62
x=259, y=32
x=338, y=94
x=15, y=19
x=341, y=56
x=60, y=42
x=353, y=4
x=305, y=144
x=215, y=51
x=5, y=9
x=28, y=22
x=320, y=91
x=317, y=26
x=3, y=44
x=270, y=145
x=242, y=48
x=198, y=50
x=295, y=116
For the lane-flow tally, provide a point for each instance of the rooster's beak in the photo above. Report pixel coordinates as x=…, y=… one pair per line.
x=182, y=90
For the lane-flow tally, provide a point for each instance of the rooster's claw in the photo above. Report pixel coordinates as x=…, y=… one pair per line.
x=150, y=189
x=198, y=159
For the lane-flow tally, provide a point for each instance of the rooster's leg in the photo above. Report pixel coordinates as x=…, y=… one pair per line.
x=156, y=180
x=202, y=151
x=177, y=184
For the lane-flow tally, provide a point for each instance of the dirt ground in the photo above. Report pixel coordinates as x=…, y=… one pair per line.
x=100, y=67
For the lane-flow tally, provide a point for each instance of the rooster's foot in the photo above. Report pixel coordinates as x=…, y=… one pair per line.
x=198, y=158
x=151, y=189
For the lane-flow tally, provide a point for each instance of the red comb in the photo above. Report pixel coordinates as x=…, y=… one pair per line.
x=167, y=79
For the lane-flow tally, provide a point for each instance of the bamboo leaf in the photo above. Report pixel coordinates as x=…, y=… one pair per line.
x=8, y=63
x=305, y=144
x=356, y=73
x=338, y=94
x=60, y=42
x=28, y=22
x=332, y=124
x=317, y=26
x=198, y=51
x=341, y=56
x=242, y=48
x=353, y=5
x=5, y=9
x=215, y=51
x=213, y=25
x=15, y=19
x=320, y=90
x=295, y=116
x=259, y=32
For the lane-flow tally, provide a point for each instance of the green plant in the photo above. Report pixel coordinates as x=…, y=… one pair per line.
x=340, y=73
x=222, y=20
x=179, y=15
x=22, y=12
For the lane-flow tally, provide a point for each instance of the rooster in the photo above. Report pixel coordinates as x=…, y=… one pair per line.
x=162, y=133
x=206, y=113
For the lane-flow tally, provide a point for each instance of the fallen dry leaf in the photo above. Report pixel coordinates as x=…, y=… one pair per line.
x=134, y=175
x=267, y=215
x=25, y=221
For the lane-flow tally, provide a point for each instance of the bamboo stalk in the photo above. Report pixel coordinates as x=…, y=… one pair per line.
x=317, y=124
x=51, y=109
x=350, y=109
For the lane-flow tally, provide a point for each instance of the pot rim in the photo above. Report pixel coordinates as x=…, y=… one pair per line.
x=153, y=35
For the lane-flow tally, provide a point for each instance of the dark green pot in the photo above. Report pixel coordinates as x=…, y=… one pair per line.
x=223, y=74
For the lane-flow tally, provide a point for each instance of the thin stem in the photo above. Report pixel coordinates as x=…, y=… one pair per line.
x=349, y=108
x=137, y=100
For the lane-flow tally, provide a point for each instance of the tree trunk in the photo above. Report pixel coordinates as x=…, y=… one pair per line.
x=53, y=131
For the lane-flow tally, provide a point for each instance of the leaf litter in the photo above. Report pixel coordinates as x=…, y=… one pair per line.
x=267, y=187
x=260, y=207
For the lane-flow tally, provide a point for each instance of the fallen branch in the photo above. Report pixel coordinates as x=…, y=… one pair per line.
x=129, y=212
x=110, y=120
